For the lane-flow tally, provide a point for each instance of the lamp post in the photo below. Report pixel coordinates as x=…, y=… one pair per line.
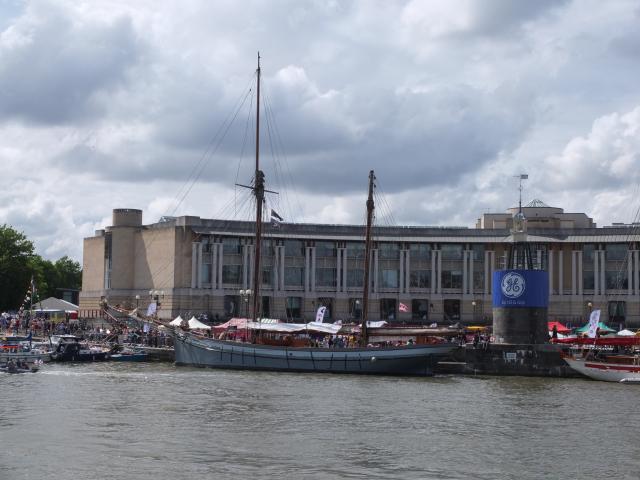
x=474, y=304
x=137, y=301
x=357, y=309
x=245, y=294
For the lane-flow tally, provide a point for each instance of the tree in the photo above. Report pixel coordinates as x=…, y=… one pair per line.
x=16, y=254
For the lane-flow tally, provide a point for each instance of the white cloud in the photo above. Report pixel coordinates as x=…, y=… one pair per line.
x=113, y=104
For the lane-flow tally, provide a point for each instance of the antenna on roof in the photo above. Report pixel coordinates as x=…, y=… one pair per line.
x=522, y=176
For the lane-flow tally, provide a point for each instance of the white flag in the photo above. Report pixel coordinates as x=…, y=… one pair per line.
x=594, y=319
x=151, y=309
x=320, y=314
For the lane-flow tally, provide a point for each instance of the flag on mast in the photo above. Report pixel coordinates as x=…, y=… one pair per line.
x=403, y=307
x=275, y=218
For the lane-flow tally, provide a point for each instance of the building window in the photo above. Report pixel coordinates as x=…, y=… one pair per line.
x=616, y=279
x=325, y=249
x=388, y=251
x=328, y=312
x=616, y=251
x=294, y=248
x=389, y=278
x=355, y=308
x=420, y=310
x=355, y=277
x=267, y=275
x=232, y=306
x=617, y=312
x=451, y=279
x=294, y=307
x=325, y=277
x=205, y=273
x=388, y=309
x=355, y=250
x=294, y=276
x=587, y=252
x=478, y=252
x=420, y=279
x=231, y=245
x=232, y=274
x=588, y=282
x=478, y=280
x=420, y=251
x=451, y=251
x=452, y=310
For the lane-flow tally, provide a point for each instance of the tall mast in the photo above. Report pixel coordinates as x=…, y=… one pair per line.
x=367, y=262
x=258, y=190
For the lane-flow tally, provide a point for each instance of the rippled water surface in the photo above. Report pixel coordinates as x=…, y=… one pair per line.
x=157, y=421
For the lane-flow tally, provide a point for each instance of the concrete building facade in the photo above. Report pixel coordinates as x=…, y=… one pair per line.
x=190, y=265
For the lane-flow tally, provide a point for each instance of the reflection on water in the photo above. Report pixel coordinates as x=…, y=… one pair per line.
x=156, y=421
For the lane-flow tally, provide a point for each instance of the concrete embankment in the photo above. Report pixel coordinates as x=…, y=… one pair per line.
x=543, y=360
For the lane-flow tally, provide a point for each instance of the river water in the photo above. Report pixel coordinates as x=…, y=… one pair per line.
x=156, y=421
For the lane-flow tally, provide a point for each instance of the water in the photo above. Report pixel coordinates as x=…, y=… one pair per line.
x=156, y=421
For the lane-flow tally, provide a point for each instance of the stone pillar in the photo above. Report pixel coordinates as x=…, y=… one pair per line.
x=465, y=275
x=434, y=281
x=550, y=269
x=307, y=269
x=280, y=248
x=407, y=271
x=214, y=266
x=245, y=266
x=220, y=263
x=344, y=270
x=636, y=274
x=580, y=273
x=194, y=265
x=313, y=269
x=199, y=278
x=374, y=271
x=401, y=274
x=603, y=283
x=472, y=261
x=439, y=271
x=574, y=267
x=561, y=272
x=630, y=274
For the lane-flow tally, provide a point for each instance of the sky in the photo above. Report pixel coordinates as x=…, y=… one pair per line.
x=124, y=104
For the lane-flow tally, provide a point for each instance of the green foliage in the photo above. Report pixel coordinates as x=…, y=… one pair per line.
x=16, y=253
x=18, y=263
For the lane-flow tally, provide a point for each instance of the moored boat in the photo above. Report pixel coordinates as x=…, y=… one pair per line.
x=254, y=354
x=608, y=368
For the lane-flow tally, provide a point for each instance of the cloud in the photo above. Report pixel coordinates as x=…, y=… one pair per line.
x=56, y=69
x=608, y=157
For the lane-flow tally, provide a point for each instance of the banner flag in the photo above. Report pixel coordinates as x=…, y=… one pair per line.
x=594, y=319
x=403, y=308
x=320, y=314
x=151, y=309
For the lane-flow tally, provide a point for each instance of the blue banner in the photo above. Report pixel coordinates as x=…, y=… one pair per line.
x=520, y=288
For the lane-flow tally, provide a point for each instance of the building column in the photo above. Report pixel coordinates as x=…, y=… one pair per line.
x=220, y=263
x=434, y=282
x=439, y=271
x=561, y=272
x=374, y=276
x=313, y=269
x=407, y=271
x=401, y=274
x=550, y=270
x=603, y=268
x=574, y=278
x=630, y=274
x=245, y=265
x=344, y=270
x=280, y=248
x=250, y=266
x=580, y=273
x=307, y=269
x=636, y=272
x=214, y=266
x=199, y=279
x=465, y=276
x=194, y=265
x=472, y=262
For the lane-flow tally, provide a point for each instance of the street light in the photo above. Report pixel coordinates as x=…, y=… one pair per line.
x=137, y=301
x=245, y=294
x=473, y=304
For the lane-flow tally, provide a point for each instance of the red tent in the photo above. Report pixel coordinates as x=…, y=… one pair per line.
x=560, y=328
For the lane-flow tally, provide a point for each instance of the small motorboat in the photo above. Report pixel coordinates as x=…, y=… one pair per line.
x=18, y=367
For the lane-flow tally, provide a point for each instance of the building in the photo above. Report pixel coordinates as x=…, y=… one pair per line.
x=194, y=265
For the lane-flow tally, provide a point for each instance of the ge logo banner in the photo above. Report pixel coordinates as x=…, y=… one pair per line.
x=512, y=285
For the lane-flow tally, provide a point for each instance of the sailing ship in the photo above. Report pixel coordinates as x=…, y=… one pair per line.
x=197, y=350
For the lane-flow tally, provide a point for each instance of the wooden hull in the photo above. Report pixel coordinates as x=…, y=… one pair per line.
x=416, y=360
